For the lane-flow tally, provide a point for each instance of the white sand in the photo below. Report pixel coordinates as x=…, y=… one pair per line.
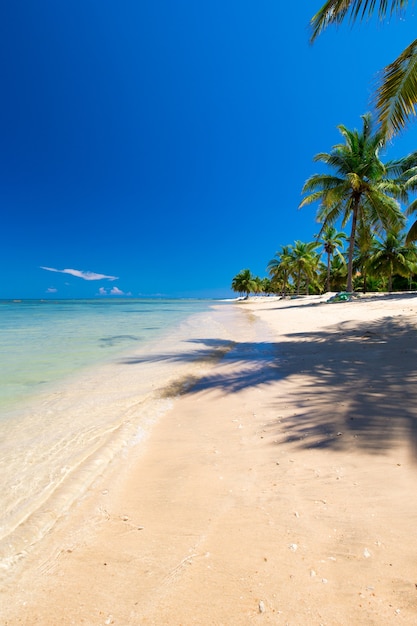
x=279, y=490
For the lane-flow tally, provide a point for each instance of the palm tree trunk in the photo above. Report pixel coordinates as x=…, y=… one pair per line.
x=349, y=286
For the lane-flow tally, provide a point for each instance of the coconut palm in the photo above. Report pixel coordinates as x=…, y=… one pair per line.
x=338, y=272
x=244, y=282
x=364, y=243
x=266, y=285
x=279, y=268
x=331, y=240
x=397, y=93
x=391, y=256
x=360, y=189
x=258, y=284
x=304, y=262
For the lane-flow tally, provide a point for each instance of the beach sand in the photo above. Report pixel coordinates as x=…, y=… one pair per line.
x=279, y=489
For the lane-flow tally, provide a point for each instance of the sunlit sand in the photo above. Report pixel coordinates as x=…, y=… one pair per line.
x=278, y=488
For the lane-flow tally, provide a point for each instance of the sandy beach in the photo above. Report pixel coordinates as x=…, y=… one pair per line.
x=278, y=489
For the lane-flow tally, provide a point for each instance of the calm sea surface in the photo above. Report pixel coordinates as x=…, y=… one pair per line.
x=45, y=341
x=79, y=382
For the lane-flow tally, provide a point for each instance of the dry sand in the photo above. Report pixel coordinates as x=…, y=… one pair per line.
x=280, y=489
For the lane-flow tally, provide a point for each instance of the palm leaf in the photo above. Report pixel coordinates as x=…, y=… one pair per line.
x=412, y=234
x=397, y=95
x=335, y=11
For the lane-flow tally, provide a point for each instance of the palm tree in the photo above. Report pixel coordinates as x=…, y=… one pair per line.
x=279, y=268
x=304, y=262
x=364, y=243
x=338, y=272
x=244, y=282
x=360, y=189
x=331, y=241
x=391, y=256
x=266, y=285
x=397, y=93
x=258, y=284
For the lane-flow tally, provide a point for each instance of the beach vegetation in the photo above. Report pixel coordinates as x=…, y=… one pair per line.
x=364, y=243
x=338, y=273
x=304, y=264
x=359, y=187
x=332, y=241
x=279, y=268
x=396, y=93
x=392, y=256
x=245, y=283
x=295, y=267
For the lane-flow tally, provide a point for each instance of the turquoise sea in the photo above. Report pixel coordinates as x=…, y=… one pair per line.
x=80, y=382
x=44, y=341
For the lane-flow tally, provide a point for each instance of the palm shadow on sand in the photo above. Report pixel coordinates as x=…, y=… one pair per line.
x=358, y=385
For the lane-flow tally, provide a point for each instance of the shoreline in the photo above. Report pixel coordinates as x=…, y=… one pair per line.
x=57, y=442
x=276, y=489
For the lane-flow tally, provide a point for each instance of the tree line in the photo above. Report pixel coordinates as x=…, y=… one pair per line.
x=359, y=189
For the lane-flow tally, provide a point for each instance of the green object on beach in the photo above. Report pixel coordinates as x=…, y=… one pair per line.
x=343, y=296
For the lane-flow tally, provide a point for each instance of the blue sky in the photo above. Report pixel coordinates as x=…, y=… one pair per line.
x=160, y=146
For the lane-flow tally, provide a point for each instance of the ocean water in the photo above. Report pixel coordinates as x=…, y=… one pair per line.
x=81, y=381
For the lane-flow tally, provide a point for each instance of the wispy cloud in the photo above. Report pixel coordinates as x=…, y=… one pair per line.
x=51, y=290
x=114, y=291
x=81, y=274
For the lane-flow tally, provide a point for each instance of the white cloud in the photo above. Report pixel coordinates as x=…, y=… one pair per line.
x=114, y=291
x=81, y=274
x=51, y=290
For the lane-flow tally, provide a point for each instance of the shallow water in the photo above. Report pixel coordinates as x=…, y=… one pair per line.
x=45, y=341
x=81, y=382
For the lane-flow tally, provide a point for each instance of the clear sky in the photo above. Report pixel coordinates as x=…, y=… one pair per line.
x=160, y=146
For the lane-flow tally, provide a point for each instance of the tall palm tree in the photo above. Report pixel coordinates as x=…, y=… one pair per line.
x=360, y=189
x=391, y=256
x=397, y=93
x=331, y=240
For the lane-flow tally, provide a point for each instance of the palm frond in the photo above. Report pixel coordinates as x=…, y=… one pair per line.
x=412, y=208
x=397, y=95
x=335, y=11
x=412, y=234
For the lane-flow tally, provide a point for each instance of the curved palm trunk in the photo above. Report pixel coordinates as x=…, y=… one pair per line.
x=349, y=286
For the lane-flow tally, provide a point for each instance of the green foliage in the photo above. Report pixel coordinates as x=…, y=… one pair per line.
x=244, y=282
x=360, y=189
x=391, y=256
x=397, y=93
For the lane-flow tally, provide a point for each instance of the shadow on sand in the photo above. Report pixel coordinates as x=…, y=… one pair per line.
x=358, y=384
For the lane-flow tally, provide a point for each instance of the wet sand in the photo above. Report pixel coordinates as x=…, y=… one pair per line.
x=278, y=489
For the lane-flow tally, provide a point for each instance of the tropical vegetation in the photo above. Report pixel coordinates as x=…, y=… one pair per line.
x=397, y=92
x=357, y=188
x=370, y=195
